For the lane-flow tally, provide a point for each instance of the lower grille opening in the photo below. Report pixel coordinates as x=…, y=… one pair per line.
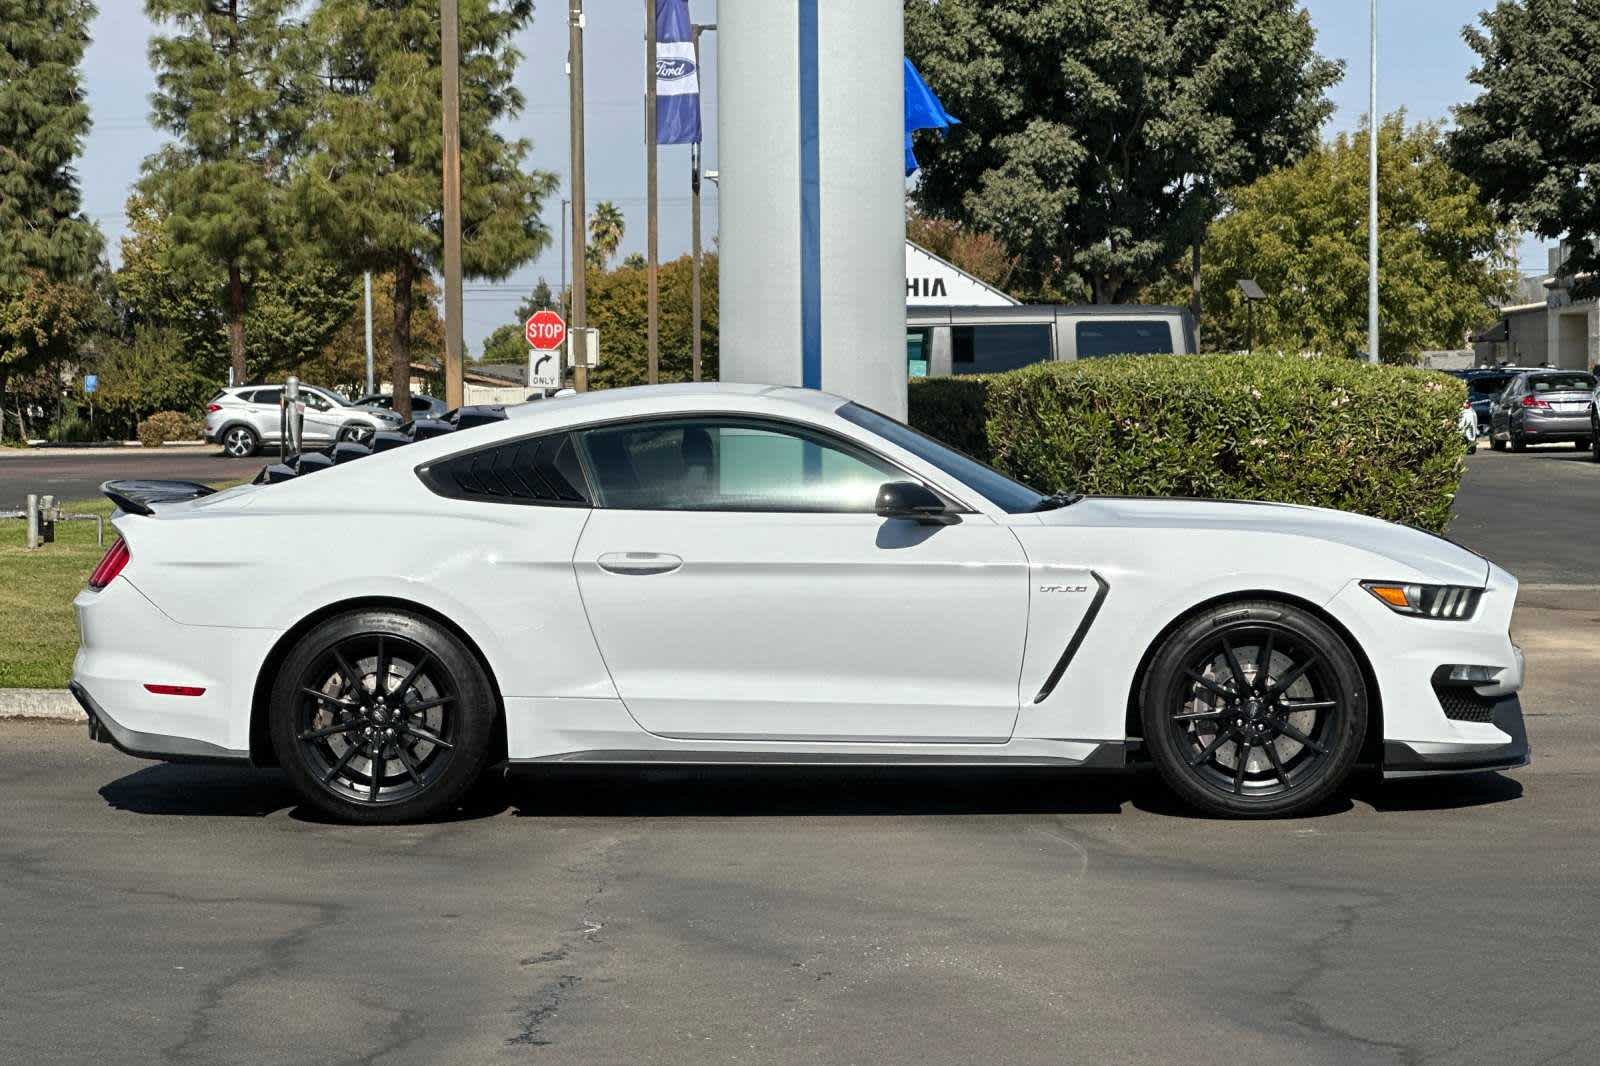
x=1461, y=704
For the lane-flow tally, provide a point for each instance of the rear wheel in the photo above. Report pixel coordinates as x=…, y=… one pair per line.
x=1518, y=442
x=1254, y=710
x=380, y=716
x=240, y=442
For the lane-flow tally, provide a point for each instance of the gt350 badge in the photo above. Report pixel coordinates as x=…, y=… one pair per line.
x=1063, y=588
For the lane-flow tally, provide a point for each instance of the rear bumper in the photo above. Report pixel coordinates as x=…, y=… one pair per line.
x=1401, y=759
x=106, y=730
x=1557, y=427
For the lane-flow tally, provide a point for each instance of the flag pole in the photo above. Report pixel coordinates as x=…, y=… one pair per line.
x=651, y=221
x=694, y=190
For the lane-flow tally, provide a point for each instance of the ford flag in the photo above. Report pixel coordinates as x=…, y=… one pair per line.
x=923, y=112
x=677, y=79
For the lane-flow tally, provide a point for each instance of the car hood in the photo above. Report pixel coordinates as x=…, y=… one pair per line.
x=1430, y=558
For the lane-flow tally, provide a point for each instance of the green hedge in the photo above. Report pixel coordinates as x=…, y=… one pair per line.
x=1378, y=440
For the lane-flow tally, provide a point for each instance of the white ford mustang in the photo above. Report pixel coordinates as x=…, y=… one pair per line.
x=745, y=574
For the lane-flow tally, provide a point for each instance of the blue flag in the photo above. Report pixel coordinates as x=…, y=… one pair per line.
x=923, y=112
x=676, y=74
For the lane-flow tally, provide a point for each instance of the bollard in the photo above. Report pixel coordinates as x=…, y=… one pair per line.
x=33, y=521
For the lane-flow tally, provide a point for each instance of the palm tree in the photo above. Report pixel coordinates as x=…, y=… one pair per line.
x=606, y=226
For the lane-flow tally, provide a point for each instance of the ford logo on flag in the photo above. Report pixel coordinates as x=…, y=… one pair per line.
x=671, y=69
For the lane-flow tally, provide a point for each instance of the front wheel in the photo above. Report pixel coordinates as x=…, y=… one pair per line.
x=357, y=434
x=1254, y=710
x=380, y=716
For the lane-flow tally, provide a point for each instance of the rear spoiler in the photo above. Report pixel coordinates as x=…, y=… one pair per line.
x=137, y=497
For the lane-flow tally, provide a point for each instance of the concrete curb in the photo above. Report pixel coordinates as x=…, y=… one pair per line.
x=63, y=451
x=52, y=703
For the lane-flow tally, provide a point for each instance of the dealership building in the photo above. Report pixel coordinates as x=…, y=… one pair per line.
x=1546, y=327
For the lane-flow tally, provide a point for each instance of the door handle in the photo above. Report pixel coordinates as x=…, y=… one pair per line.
x=639, y=563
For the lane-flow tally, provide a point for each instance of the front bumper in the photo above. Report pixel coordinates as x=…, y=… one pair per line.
x=1401, y=759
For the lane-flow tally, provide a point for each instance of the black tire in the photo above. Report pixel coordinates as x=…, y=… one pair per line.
x=1495, y=443
x=429, y=735
x=1594, y=442
x=356, y=433
x=1582, y=444
x=1519, y=443
x=1206, y=694
x=240, y=442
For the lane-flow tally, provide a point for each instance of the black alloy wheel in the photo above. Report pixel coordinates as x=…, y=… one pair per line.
x=1254, y=711
x=381, y=716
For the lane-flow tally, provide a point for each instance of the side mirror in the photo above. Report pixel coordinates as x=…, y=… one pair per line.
x=914, y=500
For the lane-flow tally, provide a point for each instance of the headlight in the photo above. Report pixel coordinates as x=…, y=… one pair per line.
x=1454, y=603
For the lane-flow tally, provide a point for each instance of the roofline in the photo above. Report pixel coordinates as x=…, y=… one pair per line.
x=966, y=274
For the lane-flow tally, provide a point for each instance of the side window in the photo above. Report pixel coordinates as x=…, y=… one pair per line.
x=267, y=396
x=315, y=400
x=537, y=470
x=1098, y=338
x=991, y=349
x=708, y=464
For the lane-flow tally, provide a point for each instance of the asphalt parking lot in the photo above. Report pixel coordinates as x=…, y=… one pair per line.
x=70, y=474
x=159, y=913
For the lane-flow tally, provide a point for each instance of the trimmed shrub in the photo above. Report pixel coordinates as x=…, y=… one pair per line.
x=167, y=425
x=1378, y=440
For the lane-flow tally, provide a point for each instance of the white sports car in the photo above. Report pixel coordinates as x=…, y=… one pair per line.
x=747, y=574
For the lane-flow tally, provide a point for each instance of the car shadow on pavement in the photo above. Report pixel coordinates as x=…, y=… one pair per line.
x=735, y=792
x=1439, y=793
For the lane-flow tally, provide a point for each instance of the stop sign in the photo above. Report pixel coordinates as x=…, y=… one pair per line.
x=545, y=331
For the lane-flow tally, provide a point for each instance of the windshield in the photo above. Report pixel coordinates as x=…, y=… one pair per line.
x=1013, y=497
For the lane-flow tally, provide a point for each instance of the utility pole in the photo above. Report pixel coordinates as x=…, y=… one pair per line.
x=1372, y=198
x=561, y=297
x=580, y=234
x=651, y=227
x=450, y=45
x=366, y=285
x=694, y=218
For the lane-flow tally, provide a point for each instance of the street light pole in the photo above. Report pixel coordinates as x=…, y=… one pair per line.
x=580, y=235
x=651, y=225
x=366, y=284
x=450, y=45
x=1372, y=197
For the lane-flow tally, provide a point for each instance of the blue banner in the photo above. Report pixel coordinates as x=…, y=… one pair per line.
x=923, y=112
x=677, y=75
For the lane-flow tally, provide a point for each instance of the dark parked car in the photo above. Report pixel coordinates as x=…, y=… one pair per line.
x=421, y=406
x=1543, y=407
x=1484, y=386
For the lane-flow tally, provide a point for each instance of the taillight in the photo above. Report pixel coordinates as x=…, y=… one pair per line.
x=210, y=407
x=1534, y=401
x=111, y=565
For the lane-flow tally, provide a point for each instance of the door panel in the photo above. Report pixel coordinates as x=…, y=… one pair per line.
x=820, y=627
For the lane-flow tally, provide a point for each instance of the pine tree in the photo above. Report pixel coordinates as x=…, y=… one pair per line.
x=374, y=185
x=232, y=87
x=48, y=248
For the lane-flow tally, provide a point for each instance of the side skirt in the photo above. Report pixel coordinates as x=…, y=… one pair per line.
x=1108, y=756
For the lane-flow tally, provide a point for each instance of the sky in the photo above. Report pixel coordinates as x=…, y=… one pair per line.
x=1422, y=65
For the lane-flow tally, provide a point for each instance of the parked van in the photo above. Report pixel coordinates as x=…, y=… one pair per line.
x=985, y=340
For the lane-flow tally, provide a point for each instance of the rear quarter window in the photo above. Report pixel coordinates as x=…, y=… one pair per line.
x=1098, y=338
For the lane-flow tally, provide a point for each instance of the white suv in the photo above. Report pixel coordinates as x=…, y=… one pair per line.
x=242, y=419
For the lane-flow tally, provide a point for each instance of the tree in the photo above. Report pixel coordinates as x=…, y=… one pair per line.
x=373, y=186
x=233, y=88
x=294, y=310
x=1531, y=139
x=1301, y=233
x=606, y=227
x=978, y=254
x=1098, y=137
x=48, y=248
x=342, y=361
x=507, y=344
x=617, y=303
